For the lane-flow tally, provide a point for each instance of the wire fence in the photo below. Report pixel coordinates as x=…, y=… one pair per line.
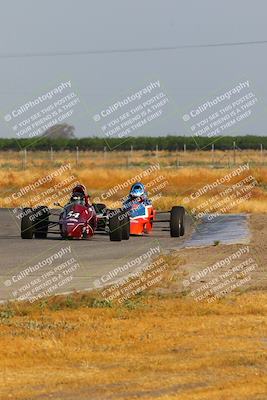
x=212, y=158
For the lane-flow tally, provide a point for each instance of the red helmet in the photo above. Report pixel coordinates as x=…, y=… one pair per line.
x=79, y=189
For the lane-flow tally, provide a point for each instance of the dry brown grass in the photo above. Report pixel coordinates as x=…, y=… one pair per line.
x=165, y=348
x=100, y=174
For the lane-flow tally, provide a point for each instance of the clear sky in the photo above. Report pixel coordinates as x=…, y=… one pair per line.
x=189, y=76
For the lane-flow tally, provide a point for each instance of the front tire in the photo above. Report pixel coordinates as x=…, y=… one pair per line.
x=115, y=231
x=177, y=221
x=41, y=222
x=27, y=228
x=125, y=225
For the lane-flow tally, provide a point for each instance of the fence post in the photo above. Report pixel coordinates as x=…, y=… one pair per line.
x=177, y=160
x=77, y=156
x=105, y=152
x=234, y=153
x=51, y=154
x=262, y=153
x=24, y=160
x=212, y=152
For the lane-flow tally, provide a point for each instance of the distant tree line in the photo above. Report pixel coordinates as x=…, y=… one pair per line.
x=171, y=143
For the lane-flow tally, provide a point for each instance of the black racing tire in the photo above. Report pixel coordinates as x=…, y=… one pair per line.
x=41, y=222
x=177, y=221
x=27, y=228
x=115, y=231
x=99, y=207
x=182, y=230
x=125, y=225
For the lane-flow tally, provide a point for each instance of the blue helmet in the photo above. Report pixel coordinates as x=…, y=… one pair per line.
x=137, y=190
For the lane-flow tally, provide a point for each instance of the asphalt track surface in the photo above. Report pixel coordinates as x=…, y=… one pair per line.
x=95, y=259
x=31, y=265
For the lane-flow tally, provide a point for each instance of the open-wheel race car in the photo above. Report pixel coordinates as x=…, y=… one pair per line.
x=75, y=221
x=78, y=220
x=144, y=216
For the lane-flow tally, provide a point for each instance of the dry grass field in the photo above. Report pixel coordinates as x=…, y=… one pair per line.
x=101, y=172
x=154, y=347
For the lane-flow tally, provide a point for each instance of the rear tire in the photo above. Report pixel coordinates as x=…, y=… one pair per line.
x=27, y=228
x=115, y=231
x=177, y=221
x=99, y=207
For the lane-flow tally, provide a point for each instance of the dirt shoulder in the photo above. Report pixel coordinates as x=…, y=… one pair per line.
x=206, y=268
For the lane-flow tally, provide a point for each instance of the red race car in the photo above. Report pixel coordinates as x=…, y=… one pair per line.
x=76, y=220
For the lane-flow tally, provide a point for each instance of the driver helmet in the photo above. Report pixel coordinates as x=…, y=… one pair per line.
x=79, y=189
x=137, y=190
x=78, y=198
